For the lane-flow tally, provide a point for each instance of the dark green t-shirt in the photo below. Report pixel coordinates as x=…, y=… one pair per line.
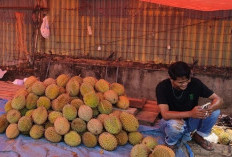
x=181, y=100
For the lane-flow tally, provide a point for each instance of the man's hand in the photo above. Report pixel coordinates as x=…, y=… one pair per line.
x=209, y=110
x=198, y=112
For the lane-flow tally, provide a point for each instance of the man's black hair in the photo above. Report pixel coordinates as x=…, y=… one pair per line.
x=179, y=69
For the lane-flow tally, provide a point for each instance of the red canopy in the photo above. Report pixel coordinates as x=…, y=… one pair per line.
x=203, y=5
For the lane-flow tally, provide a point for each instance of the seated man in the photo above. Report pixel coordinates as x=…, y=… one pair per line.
x=177, y=98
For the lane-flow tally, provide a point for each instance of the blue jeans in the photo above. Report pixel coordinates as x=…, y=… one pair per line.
x=177, y=131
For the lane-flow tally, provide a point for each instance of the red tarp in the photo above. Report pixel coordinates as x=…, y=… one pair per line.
x=203, y=5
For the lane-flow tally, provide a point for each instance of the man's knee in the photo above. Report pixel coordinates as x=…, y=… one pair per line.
x=216, y=113
x=176, y=126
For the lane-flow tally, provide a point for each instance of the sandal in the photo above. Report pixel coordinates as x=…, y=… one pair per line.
x=202, y=142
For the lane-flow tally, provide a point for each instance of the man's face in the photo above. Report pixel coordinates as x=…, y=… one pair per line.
x=180, y=83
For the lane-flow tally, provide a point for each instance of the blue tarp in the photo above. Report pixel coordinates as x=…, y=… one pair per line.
x=25, y=146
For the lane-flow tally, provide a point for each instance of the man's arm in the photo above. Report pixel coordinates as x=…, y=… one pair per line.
x=196, y=112
x=216, y=103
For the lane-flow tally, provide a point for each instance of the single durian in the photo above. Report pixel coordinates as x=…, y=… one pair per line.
x=69, y=112
x=95, y=126
x=12, y=131
x=61, y=125
x=72, y=138
x=129, y=122
x=85, y=112
x=112, y=124
x=135, y=137
x=62, y=80
x=44, y=101
x=25, y=124
x=40, y=115
x=139, y=150
x=89, y=139
x=36, y=131
x=13, y=116
x=78, y=125
x=107, y=141
x=51, y=135
x=3, y=123
x=162, y=151
x=122, y=138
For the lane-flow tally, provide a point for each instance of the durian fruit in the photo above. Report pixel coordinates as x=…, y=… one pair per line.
x=129, y=122
x=52, y=91
x=217, y=130
x=116, y=113
x=86, y=88
x=29, y=113
x=100, y=95
x=107, y=141
x=95, y=112
x=78, y=125
x=49, y=81
x=91, y=99
x=105, y=107
x=89, y=139
x=135, y=137
x=150, y=142
x=24, y=124
x=102, y=85
x=112, y=124
x=77, y=78
x=229, y=131
x=85, y=112
x=62, y=90
x=90, y=80
x=38, y=88
x=53, y=115
x=40, y=115
x=123, y=102
x=72, y=138
x=36, y=131
x=51, y=135
x=224, y=138
x=12, y=131
x=31, y=101
x=61, y=125
x=21, y=91
x=44, y=101
x=139, y=150
x=72, y=87
x=48, y=124
x=102, y=117
x=29, y=81
x=162, y=151
x=111, y=96
x=76, y=103
x=122, y=138
x=60, y=102
x=69, y=112
x=18, y=102
x=3, y=123
x=8, y=106
x=95, y=126
x=62, y=80
x=13, y=116
x=118, y=88
x=23, y=111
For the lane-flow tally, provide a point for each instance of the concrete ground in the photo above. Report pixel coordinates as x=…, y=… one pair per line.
x=219, y=150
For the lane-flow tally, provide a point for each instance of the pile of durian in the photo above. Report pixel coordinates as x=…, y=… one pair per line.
x=71, y=109
x=221, y=135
